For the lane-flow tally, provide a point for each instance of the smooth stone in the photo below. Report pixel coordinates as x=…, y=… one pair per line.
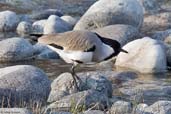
x=8, y=21
x=24, y=28
x=15, y=49
x=70, y=20
x=115, y=12
x=14, y=111
x=121, y=107
x=55, y=24
x=44, y=14
x=144, y=55
x=23, y=84
x=86, y=99
x=38, y=26
x=122, y=33
x=93, y=112
x=146, y=90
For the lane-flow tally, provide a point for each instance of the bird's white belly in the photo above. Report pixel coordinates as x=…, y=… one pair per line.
x=71, y=56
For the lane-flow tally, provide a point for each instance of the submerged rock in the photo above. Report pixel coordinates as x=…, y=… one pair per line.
x=145, y=55
x=23, y=84
x=15, y=49
x=8, y=21
x=115, y=12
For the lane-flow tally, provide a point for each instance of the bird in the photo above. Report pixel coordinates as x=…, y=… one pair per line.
x=81, y=47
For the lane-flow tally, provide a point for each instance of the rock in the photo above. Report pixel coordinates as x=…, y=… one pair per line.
x=150, y=6
x=23, y=84
x=160, y=107
x=70, y=20
x=62, y=86
x=116, y=12
x=59, y=113
x=83, y=100
x=119, y=32
x=14, y=111
x=140, y=109
x=24, y=28
x=15, y=49
x=168, y=55
x=44, y=14
x=163, y=35
x=93, y=112
x=121, y=107
x=146, y=90
x=43, y=52
x=38, y=26
x=8, y=21
x=55, y=24
x=145, y=55
x=156, y=22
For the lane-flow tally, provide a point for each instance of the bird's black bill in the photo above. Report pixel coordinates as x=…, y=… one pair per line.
x=122, y=50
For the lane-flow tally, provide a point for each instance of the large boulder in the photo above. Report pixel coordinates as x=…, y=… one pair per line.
x=122, y=33
x=23, y=83
x=145, y=55
x=115, y=12
x=15, y=49
x=8, y=21
x=55, y=24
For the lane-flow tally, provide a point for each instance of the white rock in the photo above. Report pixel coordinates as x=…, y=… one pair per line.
x=69, y=19
x=8, y=21
x=108, y=12
x=145, y=55
x=38, y=26
x=23, y=28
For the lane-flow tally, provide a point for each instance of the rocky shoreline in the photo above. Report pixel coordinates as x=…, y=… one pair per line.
x=142, y=27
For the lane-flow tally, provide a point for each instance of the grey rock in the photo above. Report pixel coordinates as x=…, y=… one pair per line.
x=70, y=20
x=87, y=99
x=38, y=26
x=44, y=14
x=121, y=107
x=160, y=107
x=163, y=35
x=15, y=49
x=24, y=28
x=8, y=21
x=145, y=55
x=59, y=113
x=150, y=6
x=140, y=109
x=23, y=83
x=148, y=91
x=168, y=55
x=119, y=32
x=55, y=24
x=115, y=12
x=93, y=112
x=14, y=111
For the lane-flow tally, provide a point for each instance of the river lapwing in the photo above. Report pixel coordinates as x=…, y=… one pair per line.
x=81, y=47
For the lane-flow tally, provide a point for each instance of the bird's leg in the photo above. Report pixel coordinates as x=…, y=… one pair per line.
x=75, y=77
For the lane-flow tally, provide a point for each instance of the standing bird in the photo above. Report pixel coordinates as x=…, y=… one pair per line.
x=81, y=47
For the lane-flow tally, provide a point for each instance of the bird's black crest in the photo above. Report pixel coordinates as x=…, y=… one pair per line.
x=92, y=49
x=56, y=46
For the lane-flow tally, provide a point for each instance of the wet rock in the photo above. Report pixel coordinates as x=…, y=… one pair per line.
x=121, y=107
x=145, y=55
x=38, y=26
x=23, y=84
x=14, y=111
x=147, y=91
x=150, y=6
x=55, y=24
x=116, y=12
x=119, y=32
x=44, y=14
x=43, y=52
x=84, y=99
x=8, y=21
x=70, y=20
x=93, y=112
x=15, y=49
x=24, y=28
